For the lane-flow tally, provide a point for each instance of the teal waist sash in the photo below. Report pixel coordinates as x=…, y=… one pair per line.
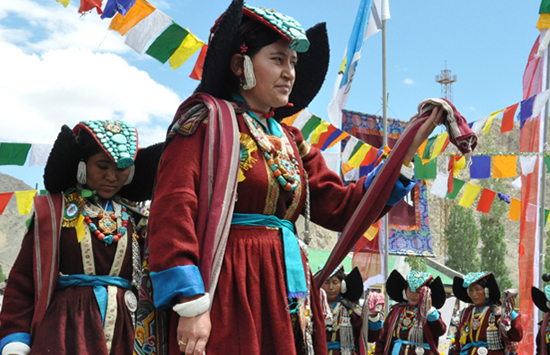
x=99, y=283
x=475, y=344
x=397, y=344
x=295, y=276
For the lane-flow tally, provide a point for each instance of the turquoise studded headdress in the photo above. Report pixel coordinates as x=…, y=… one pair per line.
x=541, y=299
x=460, y=286
x=284, y=25
x=118, y=139
x=473, y=277
x=417, y=279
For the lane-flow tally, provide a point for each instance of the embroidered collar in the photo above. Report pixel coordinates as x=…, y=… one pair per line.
x=273, y=128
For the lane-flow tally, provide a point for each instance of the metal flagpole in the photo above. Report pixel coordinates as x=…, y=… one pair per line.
x=385, y=142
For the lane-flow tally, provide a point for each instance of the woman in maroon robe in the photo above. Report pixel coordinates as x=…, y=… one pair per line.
x=413, y=325
x=73, y=287
x=224, y=269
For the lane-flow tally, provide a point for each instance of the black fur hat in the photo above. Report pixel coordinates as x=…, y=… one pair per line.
x=310, y=71
x=396, y=284
x=460, y=286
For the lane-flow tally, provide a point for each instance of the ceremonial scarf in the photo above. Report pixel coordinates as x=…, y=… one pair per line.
x=373, y=204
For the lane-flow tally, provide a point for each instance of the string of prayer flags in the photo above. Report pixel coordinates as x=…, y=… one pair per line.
x=187, y=48
x=14, y=153
x=469, y=195
x=166, y=44
x=515, y=209
x=486, y=200
x=441, y=142
x=504, y=166
x=508, y=118
x=319, y=131
x=357, y=158
x=310, y=126
x=138, y=12
x=24, y=201
x=480, y=167
x=4, y=200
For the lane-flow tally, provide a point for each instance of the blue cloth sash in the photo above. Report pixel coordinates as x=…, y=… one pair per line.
x=99, y=283
x=295, y=276
x=397, y=344
x=333, y=345
x=475, y=344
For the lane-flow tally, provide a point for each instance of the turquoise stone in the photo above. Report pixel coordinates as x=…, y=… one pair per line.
x=122, y=148
x=109, y=133
x=119, y=138
x=100, y=135
x=133, y=138
x=104, y=140
x=97, y=130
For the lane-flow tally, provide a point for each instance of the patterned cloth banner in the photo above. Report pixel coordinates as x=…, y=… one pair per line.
x=504, y=166
x=409, y=232
x=14, y=153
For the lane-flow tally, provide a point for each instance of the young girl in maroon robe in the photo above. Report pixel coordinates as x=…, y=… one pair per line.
x=413, y=325
x=541, y=299
x=485, y=326
x=73, y=287
x=224, y=269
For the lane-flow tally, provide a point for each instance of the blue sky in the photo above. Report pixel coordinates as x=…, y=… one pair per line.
x=59, y=68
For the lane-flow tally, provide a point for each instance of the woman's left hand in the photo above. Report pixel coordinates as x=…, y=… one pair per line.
x=435, y=118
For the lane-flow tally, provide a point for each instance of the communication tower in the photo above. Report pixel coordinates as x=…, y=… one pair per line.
x=446, y=80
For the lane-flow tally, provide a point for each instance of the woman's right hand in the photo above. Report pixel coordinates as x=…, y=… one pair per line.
x=194, y=333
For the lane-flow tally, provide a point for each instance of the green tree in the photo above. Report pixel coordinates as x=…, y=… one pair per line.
x=546, y=267
x=462, y=239
x=417, y=263
x=493, y=252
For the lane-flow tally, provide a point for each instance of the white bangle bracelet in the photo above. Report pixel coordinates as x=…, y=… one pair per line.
x=407, y=171
x=193, y=308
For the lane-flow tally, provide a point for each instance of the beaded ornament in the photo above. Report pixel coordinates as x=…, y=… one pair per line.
x=107, y=224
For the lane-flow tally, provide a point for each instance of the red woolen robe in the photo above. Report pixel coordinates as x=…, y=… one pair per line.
x=72, y=322
x=249, y=311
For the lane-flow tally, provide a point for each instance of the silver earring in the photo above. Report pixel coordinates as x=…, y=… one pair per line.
x=81, y=173
x=487, y=293
x=130, y=175
x=405, y=295
x=344, y=287
x=249, y=79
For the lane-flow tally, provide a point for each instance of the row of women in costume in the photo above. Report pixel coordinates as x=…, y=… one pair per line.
x=219, y=268
x=413, y=325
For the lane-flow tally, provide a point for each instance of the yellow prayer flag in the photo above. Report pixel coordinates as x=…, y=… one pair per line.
x=544, y=21
x=370, y=234
x=504, y=166
x=515, y=209
x=64, y=2
x=470, y=193
x=79, y=226
x=316, y=134
x=459, y=165
x=187, y=48
x=359, y=156
x=490, y=121
x=24, y=201
x=438, y=144
x=134, y=15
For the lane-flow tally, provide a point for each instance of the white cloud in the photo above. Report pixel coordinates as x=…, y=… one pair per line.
x=470, y=108
x=57, y=68
x=408, y=81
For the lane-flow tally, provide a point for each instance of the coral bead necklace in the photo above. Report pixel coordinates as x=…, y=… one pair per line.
x=107, y=224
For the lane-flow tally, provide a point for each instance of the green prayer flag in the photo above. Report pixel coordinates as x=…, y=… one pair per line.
x=547, y=162
x=14, y=153
x=544, y=6
x=356, y=148
x=167, y=42
x=310, y=126
x=43, y=192
x=457, y=185
x=546, y=213
x=425, y=171
x=427, y=153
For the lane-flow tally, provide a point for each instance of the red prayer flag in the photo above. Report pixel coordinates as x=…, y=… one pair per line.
x=197, y=70
x=4, y=200
x=324, y=136
x=508, y=118
x=451, y=175
x=89, y=5
x=486, y=200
